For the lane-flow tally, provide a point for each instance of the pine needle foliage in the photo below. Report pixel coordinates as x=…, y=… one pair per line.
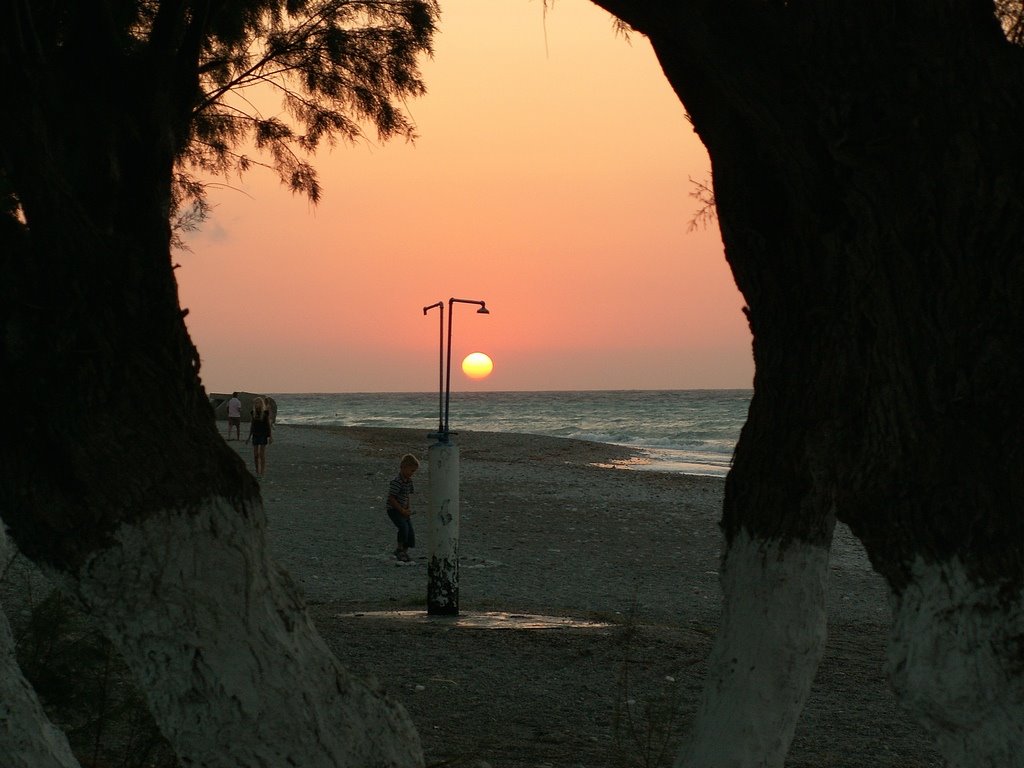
x=332, y=65
x=240, y=82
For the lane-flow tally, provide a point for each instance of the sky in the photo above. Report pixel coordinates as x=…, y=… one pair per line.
x=552, y=177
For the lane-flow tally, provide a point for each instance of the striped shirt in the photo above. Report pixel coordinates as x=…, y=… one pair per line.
x=400, y=488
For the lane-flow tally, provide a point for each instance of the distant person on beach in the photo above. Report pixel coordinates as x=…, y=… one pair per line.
x=259, y=433
x=400, y=507
x=235, y=416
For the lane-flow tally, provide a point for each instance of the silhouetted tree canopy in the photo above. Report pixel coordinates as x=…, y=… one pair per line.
x=280, y=76
x=869, y=187
x=116, y=114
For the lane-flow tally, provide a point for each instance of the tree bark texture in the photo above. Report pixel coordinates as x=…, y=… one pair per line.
x=118, y=484
x=765, y=654
x=869, y=184
x=27, y=737
x=219, y=638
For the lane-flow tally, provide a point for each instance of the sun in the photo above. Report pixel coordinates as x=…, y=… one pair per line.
x=477, y=365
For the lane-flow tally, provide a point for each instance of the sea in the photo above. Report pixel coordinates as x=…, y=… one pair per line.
x=685, y=431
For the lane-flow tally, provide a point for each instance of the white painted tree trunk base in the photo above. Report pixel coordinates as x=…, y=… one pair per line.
x=764, y=657
x=220, y=643
x=27, y=737
x=956, y=659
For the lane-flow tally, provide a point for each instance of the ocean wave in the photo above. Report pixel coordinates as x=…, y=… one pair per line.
x=679, y=431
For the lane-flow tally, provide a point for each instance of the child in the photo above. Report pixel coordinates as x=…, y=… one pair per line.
x=399, y=506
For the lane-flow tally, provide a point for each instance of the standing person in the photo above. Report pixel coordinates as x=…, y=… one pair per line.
x=399, y=506
x=235, y=416
x=259, y=433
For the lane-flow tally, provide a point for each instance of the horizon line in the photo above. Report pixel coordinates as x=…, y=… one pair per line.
x=484, y=391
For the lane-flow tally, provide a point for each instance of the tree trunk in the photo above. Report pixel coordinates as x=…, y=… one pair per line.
x=764, y=656
x=218, y=637
x=119, y=485
x=127, y=496
x=774, y=582
x=27, y=737
x=869, y=182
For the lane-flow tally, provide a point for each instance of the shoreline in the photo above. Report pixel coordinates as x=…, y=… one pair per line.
x=671, y=428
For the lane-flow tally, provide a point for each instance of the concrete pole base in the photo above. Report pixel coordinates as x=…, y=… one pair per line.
x=443, y=530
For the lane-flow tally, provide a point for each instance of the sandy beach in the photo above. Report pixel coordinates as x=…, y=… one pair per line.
x=547, y=531
x=620, y=564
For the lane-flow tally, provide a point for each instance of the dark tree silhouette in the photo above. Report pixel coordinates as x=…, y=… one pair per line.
x=869, y=183
x=114, y=478
x=868, y=180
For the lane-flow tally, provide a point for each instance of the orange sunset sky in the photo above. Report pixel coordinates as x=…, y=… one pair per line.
x=551, y=178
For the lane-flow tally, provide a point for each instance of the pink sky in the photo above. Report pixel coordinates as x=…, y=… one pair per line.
x=551, y=178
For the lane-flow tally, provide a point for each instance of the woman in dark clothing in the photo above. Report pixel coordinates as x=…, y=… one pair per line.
x=259, y=433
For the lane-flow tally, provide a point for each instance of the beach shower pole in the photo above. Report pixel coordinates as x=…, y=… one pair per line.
x=443, y=509
x=448, y=375
x=440, y=365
